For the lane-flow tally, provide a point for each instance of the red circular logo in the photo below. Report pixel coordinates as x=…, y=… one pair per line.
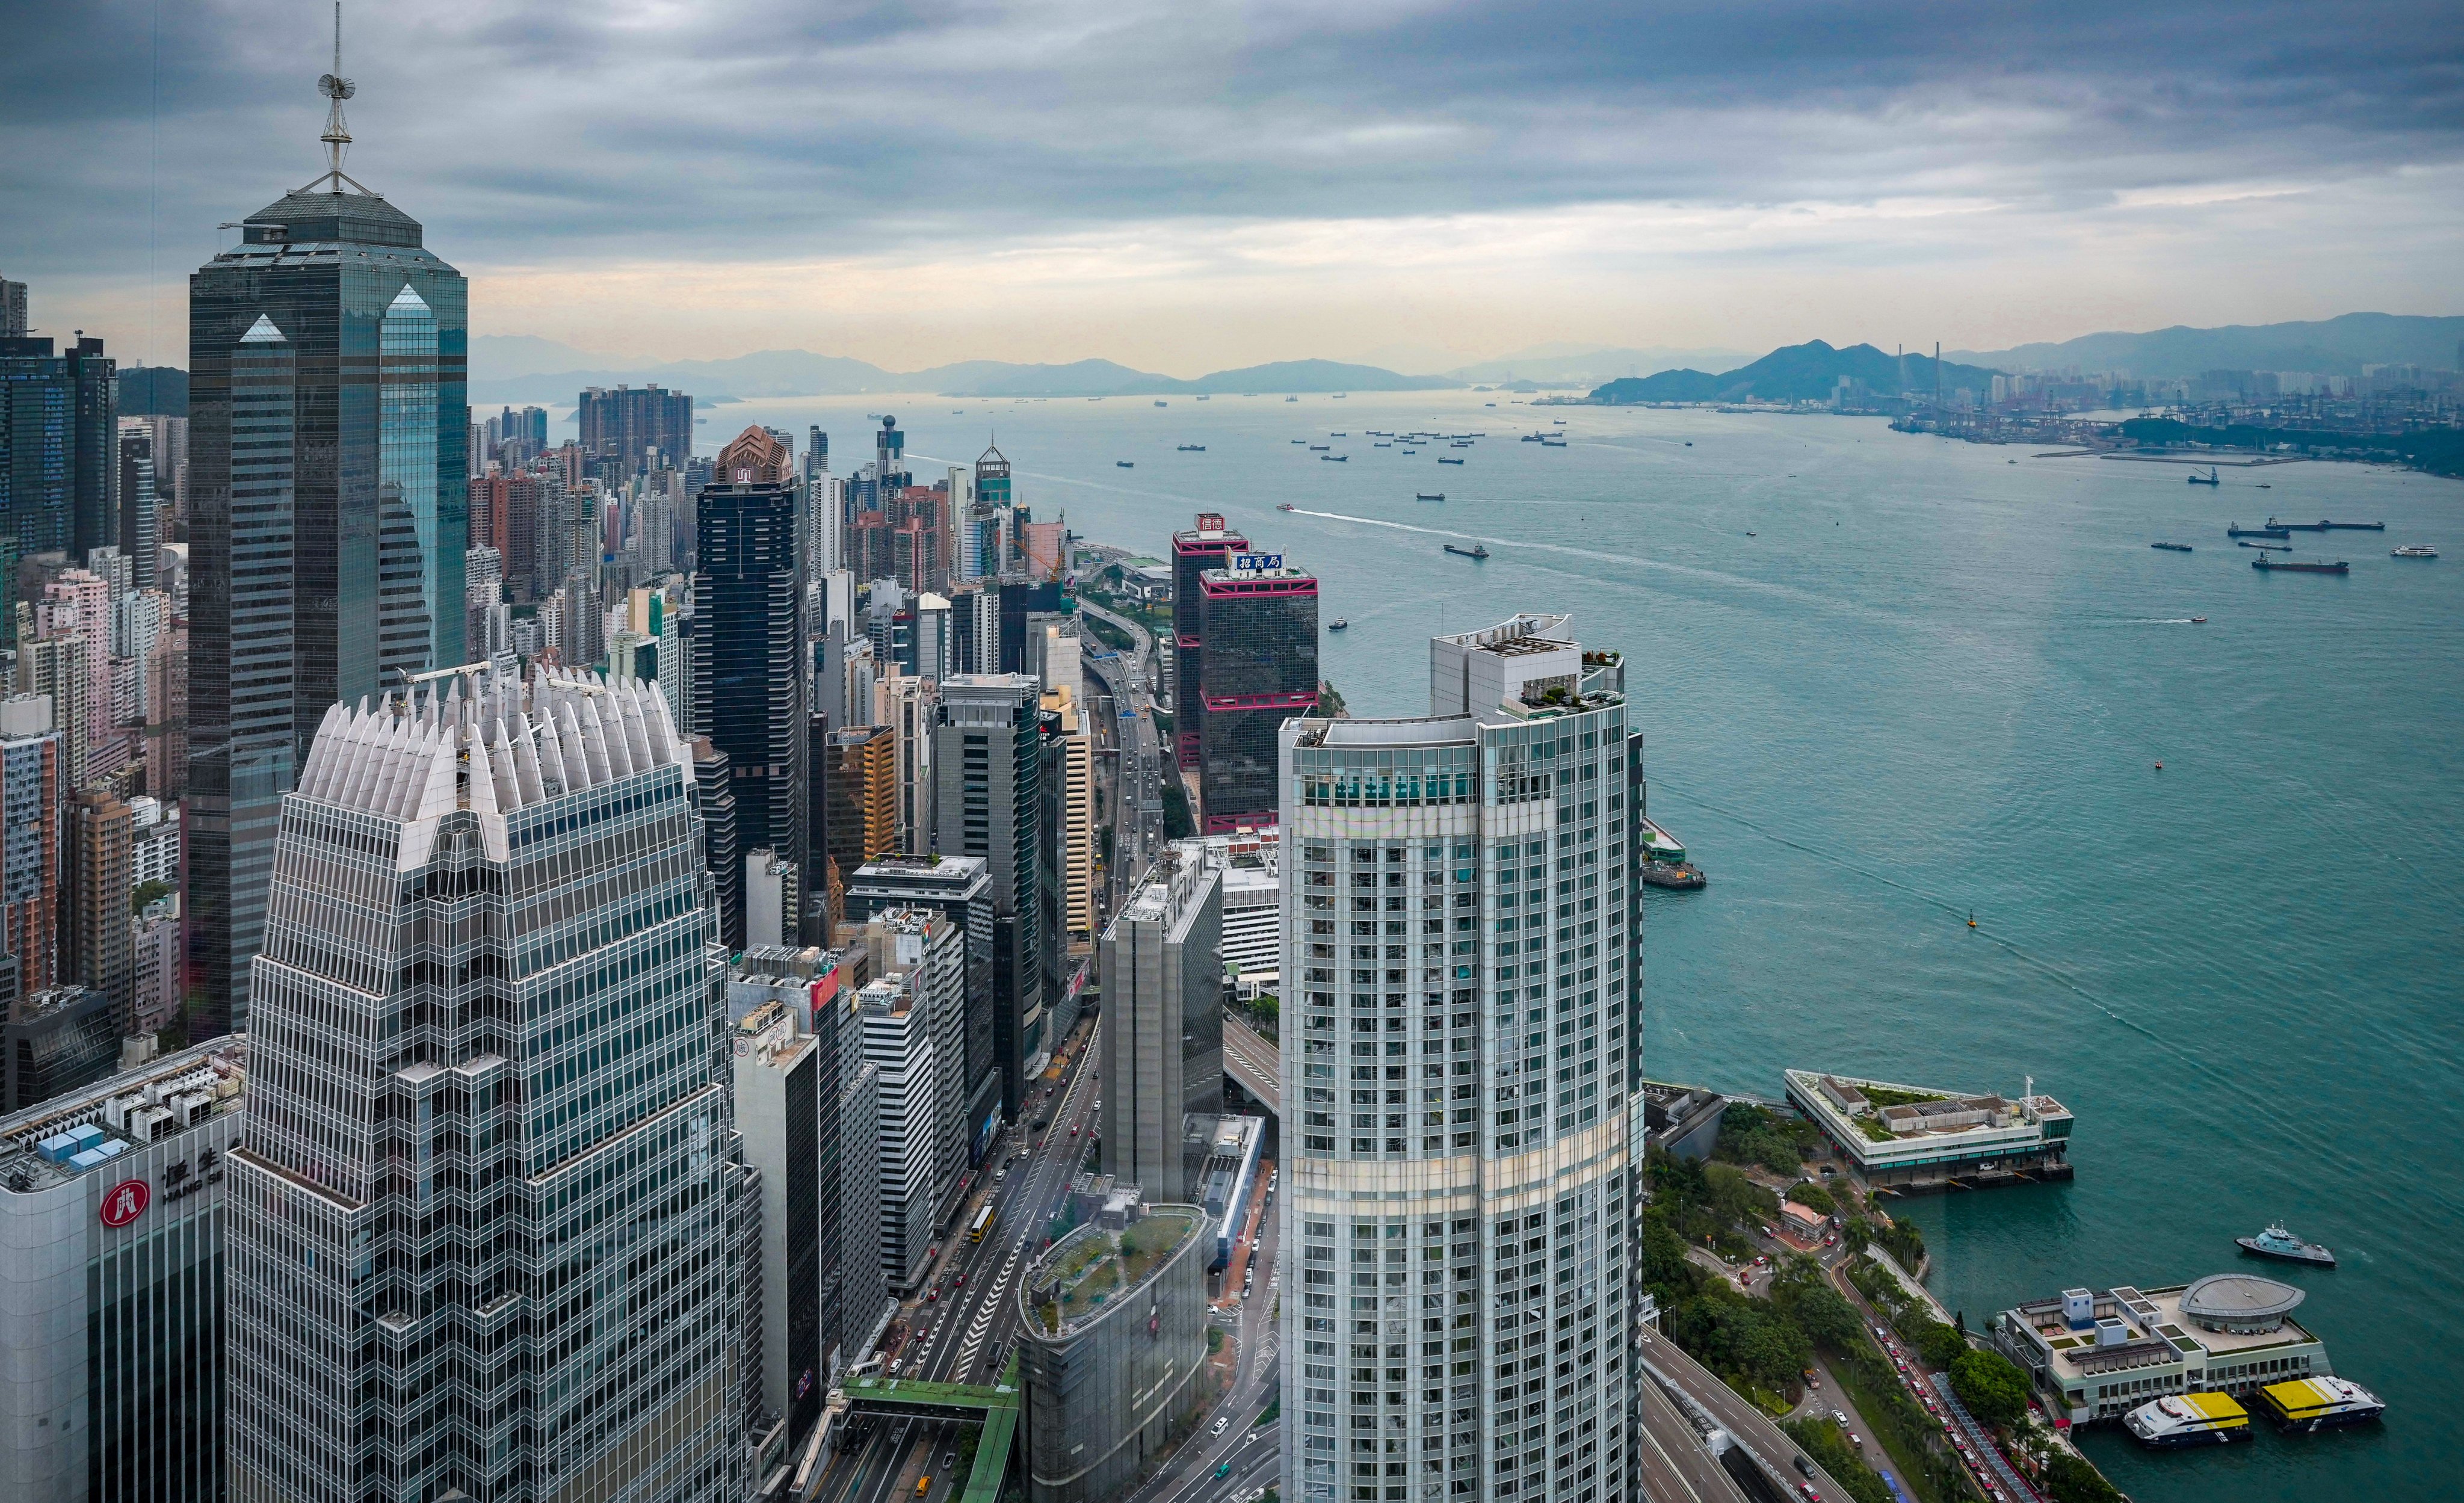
x=125, y=1202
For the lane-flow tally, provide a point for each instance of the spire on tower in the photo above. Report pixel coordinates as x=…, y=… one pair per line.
x=338, y=130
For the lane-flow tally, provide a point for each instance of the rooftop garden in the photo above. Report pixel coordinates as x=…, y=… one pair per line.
x=1102, y=1266
x=1885, y=1095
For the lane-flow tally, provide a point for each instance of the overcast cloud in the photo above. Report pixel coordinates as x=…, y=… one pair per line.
x=1185, y=185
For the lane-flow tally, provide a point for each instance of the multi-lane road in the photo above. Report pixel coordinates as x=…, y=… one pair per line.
x=960, y=1329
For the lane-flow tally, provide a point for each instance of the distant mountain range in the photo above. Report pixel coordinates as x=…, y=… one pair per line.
x=2338, y=346
x=539, y=376
x=1808, y=372
x=1584, y=366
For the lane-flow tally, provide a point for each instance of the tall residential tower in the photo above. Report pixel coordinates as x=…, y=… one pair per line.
x=1461, y=1083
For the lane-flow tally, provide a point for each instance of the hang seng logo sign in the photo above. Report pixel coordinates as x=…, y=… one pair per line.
x=123, y=1202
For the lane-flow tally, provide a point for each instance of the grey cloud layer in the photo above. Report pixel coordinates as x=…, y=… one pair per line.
x=537, y=131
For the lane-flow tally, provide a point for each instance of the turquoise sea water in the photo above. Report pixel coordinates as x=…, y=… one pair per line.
x=1886, y=680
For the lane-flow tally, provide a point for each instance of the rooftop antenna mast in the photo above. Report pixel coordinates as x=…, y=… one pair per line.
x=338, y=130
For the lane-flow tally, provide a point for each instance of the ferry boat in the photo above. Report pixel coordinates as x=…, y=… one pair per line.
x=2277, y=1243
x=1478, y=550
x=2209, y=479
x=1428, y=496
x=2319, y=1403
x=2171, y=548
x=2263, y=562
x=2416, y=550
x=1442, y=459
x=2188, y=1419
x=2237, y=530
x=1285, y=506
x=1192, y=448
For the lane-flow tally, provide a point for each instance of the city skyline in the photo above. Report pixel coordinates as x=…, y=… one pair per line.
x=1482, y=183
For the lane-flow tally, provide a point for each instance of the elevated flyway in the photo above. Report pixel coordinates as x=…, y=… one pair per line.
x=1255, y=1062
x=995, y=1406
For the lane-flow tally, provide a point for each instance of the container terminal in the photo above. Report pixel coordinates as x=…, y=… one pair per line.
x=1911, y=1138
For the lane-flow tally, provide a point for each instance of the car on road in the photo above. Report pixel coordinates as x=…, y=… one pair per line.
x=921, y=1485
x=1840, y=1417
x=933, y=1295
x=1222, y=1422
x=1223, y=1469
x=1857, y=1441
x=950, y=1461
x=1802, y=1464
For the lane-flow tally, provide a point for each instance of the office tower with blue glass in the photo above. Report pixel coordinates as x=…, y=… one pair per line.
x=328, y=441
x=1461, y=1083
x=489, y=1198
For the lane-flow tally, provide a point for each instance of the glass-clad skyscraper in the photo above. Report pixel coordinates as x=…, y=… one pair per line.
x=1462, y=1098
x=327, y=445
x=1259, y=622
x=486, y=1196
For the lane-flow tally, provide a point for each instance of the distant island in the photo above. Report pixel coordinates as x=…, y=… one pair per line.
x=1808, y=372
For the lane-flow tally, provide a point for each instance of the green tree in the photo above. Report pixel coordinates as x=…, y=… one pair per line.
x=1813, y=1198
x=1941, y=1346
x=2071, y=1480
x=1828, y=1319
x=1993, y=1387
x=1857, y=1232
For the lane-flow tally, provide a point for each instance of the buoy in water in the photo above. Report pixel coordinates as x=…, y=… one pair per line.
x=1971, y=918
x=2160, y=766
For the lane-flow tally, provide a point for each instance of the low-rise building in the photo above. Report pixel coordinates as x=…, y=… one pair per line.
x=1906, y=1137
x=2099, y=1354
x=1112, y=1338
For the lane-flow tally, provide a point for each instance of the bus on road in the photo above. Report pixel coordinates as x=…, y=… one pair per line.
x=983, y=1223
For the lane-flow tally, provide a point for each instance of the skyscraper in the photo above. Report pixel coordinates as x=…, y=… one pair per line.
x=58, y=447
x=960, y=888
x=749, y=678
x=103, y=833
x=635, y=427
x=327, y=525
x=987, y=760
x=863, y=795
x=34, y=769
x=485, y=1215
x=1163, y=1035
x=1462, y=1078
x=1208, y=545
x=1258, y=620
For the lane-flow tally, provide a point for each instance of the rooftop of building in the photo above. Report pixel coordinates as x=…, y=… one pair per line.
x=1429, y=730
x=60, y=1140
x=1094, y=1267
x=1884, y=1112
x=1524, y=633
x=37, y=1005
x=895, y=864
x=2129, y=1326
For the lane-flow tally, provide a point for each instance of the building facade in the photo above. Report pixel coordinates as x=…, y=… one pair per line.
x=328, y=516
x=33, y=792
x=988, y=767
x=111, y=1297
x=1259, y=622
x=1113, y=1332
x=636, y=428
x=1462, y=1087
x=489, y=1148
x=1208, y=545
x=1162, y=967
x=749, y=682
x=960, y=888
x=60, y=458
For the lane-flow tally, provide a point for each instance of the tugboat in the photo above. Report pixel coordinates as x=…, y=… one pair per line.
x=1285, y=506
x=1337, y=624
x=1478, y=550
x=2277, y=1243
x=2188, y=1419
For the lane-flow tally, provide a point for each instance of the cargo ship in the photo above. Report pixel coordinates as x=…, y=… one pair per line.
x=1442, y=459
x=2282, y=1245
x=2209, y=479
x=2237, y=530
x=1192, y=448
x=1337, y=458
x=2323, y=525
x=2319, y=1403
x=1428, y=496
x=1477, y=550
x=2171, y=548
x=2188, y=1419
x=2414, y=550
x=2263, y=562
x=2266, y=547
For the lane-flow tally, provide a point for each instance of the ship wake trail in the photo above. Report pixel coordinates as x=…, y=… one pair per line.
x=2223, y=1079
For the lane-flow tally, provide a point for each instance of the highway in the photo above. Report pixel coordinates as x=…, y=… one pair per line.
x=1253, y=1455
x=1743, y=1422
x=1258, y=1065
x=963, y=1335
x=1132, y=797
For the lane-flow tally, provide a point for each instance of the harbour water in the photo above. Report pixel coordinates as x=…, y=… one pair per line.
x=1886, y=680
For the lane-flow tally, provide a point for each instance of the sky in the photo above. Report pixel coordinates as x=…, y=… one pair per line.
x=1184, y=187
